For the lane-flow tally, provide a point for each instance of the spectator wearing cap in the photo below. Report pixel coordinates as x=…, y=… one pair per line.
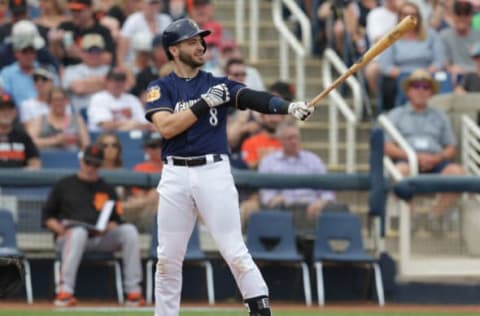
x=59, y=128
x=23, y=31
x=141, y=45
x=18, y=12
x=51, y=13
x=67, y=38
x=84, y=79
x=17, y=77
x=202, y=12
x=459, y=38
x=420, y=47
x=113, y=108
x=471, y=81
x=428, y=131
x=153, y=71
x=35, y=107
x=75, y=202
x=229, y=50
x=149, y=21
x=141, y=204
x=17, y=149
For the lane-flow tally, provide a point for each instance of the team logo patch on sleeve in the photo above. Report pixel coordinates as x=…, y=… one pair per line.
x=153, y=94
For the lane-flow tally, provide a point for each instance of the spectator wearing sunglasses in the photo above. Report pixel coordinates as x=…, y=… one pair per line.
x=38, y=106
x=18, y=77
x=459, y=39
x=72, y=208
x=112, y=148
x=428, y=131
x=141, y=204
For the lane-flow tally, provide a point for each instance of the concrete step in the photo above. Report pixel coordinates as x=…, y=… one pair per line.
x=270, y=66
x=225, y=10
x=322, y=150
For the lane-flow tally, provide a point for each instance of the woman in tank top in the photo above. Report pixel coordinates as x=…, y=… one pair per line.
x=59, y=128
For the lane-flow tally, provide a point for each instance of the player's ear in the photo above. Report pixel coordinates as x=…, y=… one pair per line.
x=173, y=50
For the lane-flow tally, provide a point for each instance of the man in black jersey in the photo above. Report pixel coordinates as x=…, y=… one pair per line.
x=71, y=213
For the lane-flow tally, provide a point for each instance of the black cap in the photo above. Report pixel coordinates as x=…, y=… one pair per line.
x=200, y=2
x=79, y=4
x=462, y=7
x=151, y=139
x=6, y=101
x=18, y=6
x=283, y=89
x=93, y=155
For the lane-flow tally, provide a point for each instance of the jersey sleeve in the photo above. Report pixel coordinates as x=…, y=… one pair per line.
x=234, y=87
x=158, y=99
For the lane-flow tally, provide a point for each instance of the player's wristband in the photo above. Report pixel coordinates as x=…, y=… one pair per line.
x=200, y=108
x=278, y=105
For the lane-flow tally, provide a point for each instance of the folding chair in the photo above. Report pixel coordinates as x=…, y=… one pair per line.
x=194, y=255
x=271, y=238
x=94, y=257
x=9, y=248
x=338, y=239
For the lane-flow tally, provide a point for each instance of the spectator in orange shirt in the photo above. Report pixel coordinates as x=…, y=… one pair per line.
x=141, y=204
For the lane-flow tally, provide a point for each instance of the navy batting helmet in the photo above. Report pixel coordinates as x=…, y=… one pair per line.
x=181, y=30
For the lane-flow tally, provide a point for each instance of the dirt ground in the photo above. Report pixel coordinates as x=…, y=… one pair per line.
x=357, y=306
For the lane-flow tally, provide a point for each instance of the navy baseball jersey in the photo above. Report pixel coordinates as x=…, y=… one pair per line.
x=174, y=94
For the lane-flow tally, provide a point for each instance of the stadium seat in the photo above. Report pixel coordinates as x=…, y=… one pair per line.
x=9, y=248
x=338, y=239
x=94, y=257
x=59, y=159
x=194, y=255
x=271, y=239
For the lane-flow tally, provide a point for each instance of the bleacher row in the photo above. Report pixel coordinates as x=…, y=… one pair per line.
x=132, y=152
x=26, y=202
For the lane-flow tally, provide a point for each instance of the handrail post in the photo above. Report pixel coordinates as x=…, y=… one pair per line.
x=253, y=31
x=239, y=21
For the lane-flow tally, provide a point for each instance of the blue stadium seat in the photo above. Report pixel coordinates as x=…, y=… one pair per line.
x=338, y=239
x=59, y=159
x=445, y=80
x=132, y=144
x=271, y=238
x=8, y=248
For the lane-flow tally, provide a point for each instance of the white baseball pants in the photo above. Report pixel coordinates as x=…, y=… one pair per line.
x=210, y=189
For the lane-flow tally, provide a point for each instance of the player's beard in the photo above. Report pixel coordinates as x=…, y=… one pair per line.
x=190, y=60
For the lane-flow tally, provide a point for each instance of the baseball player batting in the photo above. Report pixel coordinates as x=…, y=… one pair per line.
x=189, y=109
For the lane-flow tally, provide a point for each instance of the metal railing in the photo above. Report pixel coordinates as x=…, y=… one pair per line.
x=240, y=27
x=338, y=103
x=287, y=38
x=470, y=145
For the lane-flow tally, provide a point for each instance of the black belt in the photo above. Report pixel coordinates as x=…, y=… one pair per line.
x=192, y=162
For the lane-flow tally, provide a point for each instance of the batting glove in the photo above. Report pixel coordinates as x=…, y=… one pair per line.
x=216, y=95
x=300, y=110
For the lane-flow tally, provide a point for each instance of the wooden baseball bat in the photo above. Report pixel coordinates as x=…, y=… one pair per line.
x=407, y=24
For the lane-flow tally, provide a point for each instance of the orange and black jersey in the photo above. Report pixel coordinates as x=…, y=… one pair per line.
x=75, y=199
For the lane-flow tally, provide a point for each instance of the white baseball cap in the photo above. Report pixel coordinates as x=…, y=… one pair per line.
x=25, y=34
